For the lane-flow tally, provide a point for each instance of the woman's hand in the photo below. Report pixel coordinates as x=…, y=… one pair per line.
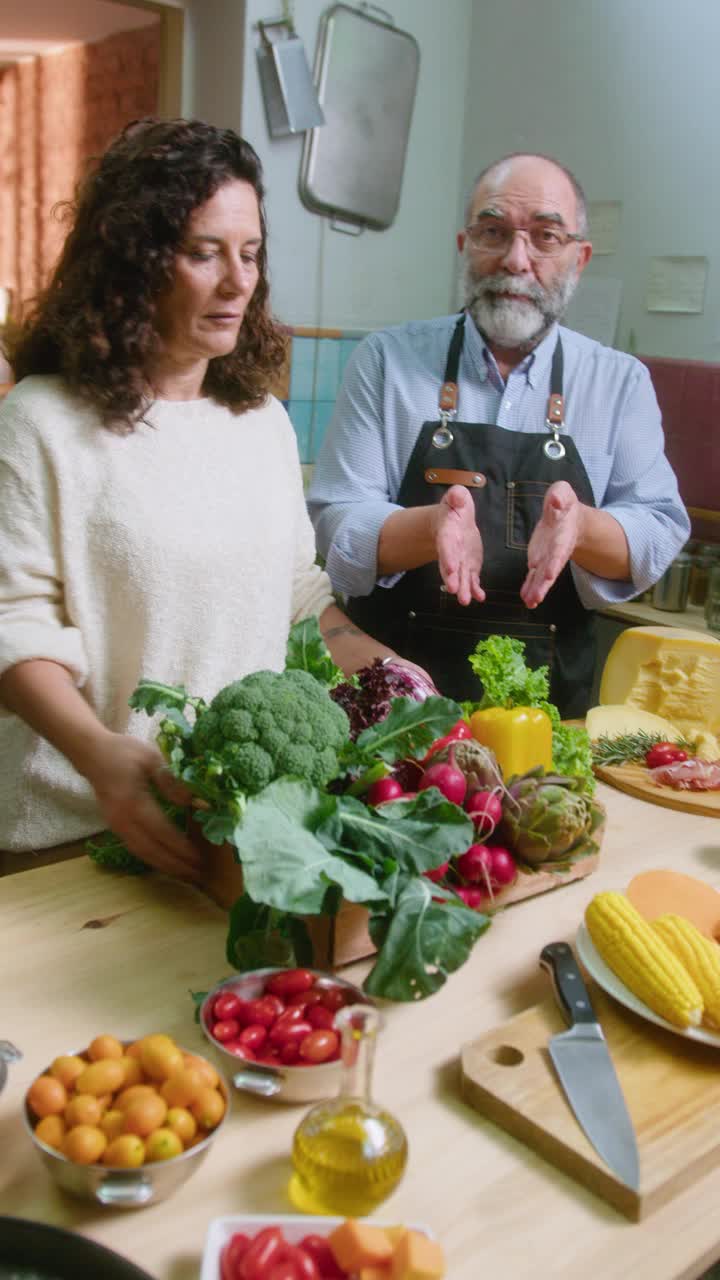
x=121, y=772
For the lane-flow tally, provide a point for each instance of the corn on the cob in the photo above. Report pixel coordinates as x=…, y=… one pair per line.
x=700, y=957
x=642, y=960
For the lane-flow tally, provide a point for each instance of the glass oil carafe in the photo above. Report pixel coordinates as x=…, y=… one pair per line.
x=348, y=1153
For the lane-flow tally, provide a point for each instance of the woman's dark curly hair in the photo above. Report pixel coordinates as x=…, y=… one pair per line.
x=94, y=323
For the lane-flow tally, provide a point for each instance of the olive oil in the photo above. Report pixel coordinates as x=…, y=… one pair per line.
x=349, y=1154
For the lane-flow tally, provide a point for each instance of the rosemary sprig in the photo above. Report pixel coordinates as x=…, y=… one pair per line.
x=627, y=747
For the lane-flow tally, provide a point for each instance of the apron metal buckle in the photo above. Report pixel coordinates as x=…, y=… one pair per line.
x=443, y=437
x=554, y=449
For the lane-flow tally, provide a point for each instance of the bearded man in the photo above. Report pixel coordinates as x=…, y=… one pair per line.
x=496, y=473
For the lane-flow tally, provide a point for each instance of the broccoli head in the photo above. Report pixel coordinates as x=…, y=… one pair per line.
x=273, y=723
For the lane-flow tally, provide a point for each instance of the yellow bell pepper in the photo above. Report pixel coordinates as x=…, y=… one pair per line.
x=520, y=737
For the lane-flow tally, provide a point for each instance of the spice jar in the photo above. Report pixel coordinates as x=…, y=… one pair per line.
x=712, y=600
x=700, y=576
x=671, y=591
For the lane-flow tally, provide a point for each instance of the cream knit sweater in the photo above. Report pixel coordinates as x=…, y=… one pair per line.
x=180, y=552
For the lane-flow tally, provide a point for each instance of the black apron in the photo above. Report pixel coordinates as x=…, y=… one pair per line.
x=508, y=474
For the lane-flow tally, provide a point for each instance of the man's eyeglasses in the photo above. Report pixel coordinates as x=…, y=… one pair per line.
x=543, y=239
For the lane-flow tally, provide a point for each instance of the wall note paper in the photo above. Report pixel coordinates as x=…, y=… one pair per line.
x=604, y=219
x=677, y=284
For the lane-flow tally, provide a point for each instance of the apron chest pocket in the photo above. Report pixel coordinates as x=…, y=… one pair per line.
x=523, y=509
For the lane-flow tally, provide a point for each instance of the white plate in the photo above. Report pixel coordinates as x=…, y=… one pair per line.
x=294, y=1227
x=606, y=979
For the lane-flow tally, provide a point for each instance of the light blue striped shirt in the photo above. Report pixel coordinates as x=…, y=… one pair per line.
x=391, y=387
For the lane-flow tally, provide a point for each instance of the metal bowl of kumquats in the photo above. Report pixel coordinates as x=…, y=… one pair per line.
x=125, y=1130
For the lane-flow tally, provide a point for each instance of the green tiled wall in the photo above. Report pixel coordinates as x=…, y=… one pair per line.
x=316, y=369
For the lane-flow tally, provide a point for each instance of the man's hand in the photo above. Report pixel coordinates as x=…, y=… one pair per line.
x=459, y=545
x=553, y=541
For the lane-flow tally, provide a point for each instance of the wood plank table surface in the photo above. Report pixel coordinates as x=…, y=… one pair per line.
x=84, y=952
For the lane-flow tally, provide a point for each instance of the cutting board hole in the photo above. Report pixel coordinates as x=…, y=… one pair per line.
x=506, y=1055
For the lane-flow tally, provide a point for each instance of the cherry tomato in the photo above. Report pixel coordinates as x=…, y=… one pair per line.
x=290, y=981
x=333, y=998
x=322, y=1255
x=298, y=1002
x=306, y=998
x=236, y=1246
x=254, y=1036
x=274, y=1002
x=262, y=1011
x=289, y=1027
x=283, y=1270
x=664, y=753
x=305, y=1265
x=239, y=1050
x=289, y=1052
x=320, y=1018
x=319, y=1046
x=227, y=1006
x=267, y=1248
x=225, y=1030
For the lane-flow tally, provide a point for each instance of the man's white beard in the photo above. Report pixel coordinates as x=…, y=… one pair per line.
x=515, y=324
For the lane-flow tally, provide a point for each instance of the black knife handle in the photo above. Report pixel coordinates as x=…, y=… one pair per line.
x=559, y=960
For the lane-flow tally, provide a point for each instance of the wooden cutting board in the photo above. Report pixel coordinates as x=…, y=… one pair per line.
x=633, y=779
x=671, y=1086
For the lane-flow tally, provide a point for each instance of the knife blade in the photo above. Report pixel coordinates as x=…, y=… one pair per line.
x=582, y=1061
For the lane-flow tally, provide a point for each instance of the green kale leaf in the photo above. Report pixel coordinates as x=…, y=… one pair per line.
x=284, y=863
x=424, y=942
x=409, y=729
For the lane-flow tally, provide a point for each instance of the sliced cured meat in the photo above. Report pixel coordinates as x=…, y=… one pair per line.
x=688, y=775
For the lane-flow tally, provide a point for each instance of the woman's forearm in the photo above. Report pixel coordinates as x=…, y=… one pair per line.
x=44, y=695
x=350, y=647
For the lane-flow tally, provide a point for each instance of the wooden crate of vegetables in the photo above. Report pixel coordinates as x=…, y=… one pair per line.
x=346, y=818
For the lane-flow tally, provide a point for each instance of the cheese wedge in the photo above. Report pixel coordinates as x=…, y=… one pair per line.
x=670, y=671
x=611, y=722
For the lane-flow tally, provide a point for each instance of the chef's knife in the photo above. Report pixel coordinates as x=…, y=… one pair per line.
x=587, y=1075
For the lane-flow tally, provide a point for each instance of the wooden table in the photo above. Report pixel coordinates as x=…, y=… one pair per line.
x=82, y=952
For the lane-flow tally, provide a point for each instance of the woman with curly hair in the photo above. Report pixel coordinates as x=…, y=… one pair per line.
x=152, y=518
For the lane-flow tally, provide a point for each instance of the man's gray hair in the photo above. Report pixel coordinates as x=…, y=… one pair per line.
x=581, y=202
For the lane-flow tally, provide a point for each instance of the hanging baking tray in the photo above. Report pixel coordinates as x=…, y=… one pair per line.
x=366, y=74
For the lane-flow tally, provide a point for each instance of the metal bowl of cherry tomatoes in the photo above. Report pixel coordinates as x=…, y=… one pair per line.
x=277, y=1029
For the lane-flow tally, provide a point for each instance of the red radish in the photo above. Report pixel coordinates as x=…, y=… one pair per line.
x=503, y=868
x=437, y=873
x=471, y=895
x=384, y=789
x=447, y=778
x=457, y=733
x=475, y=865
x=485, y=809
x=490, y=866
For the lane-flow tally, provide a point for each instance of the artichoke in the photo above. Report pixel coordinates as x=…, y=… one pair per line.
x=544, y=815
x=478, y=763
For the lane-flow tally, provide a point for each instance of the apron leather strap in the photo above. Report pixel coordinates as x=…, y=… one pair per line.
x=448, y=398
